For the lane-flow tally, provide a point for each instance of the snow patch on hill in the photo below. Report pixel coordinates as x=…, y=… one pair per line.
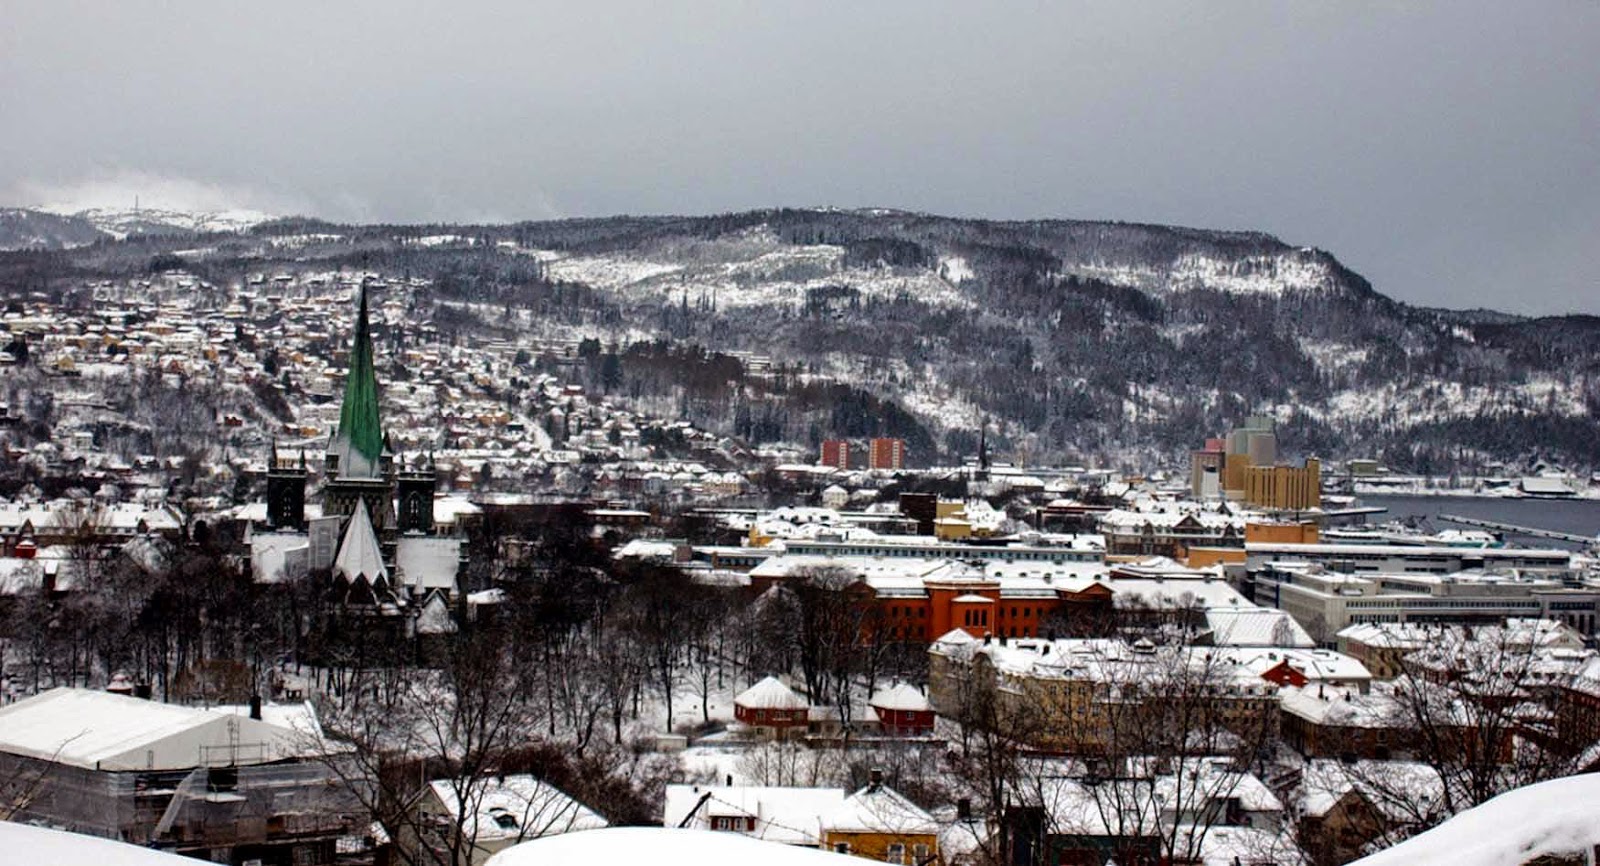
x=955, y=270
x=1442, y=400
x=752, y=269
x=604, y=272
x=1290, y=271
x=1269, y=274
x=1333, y=357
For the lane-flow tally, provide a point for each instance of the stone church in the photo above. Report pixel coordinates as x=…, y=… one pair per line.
x=372, y=537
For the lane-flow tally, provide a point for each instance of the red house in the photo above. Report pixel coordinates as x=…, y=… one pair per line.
x=903, y=710
x=772, y=705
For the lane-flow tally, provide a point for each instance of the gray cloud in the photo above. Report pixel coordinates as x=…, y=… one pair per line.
x=1446, y=150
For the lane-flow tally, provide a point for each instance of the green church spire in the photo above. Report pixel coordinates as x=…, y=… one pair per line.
x=358, y=417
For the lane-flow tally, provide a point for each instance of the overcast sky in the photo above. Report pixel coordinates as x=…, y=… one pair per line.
x=1448, y=151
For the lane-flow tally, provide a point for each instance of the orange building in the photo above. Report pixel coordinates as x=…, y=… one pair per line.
x=885, y=453
x=977, y=607
x=836, y=453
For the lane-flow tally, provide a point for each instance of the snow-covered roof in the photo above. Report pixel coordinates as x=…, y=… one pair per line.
x=1183, y=593
x=789, y=815
x=46, y=847
x=300, y=717
x=1255, y=627
x=900, y=697
x=1229, y=845
x=272, y=554
x=517, y=807
x=1519, y=826
x=771, y=694
x=1318, y=665
x=662, y=847
x=427, y=562
x=878, y=808
x=1380, y=783
x=103, y=731
x=1340, y=706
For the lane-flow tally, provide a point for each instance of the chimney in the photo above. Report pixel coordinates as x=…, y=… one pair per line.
x=142, y=690
x=964, y=809
x=255, y=707
x=874, y=779
x=730, y=780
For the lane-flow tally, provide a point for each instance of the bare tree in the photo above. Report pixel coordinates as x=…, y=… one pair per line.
x=459, y=724
x=1476, y=702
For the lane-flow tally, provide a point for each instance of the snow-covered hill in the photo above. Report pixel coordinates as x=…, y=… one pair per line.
x=1066, y=339
x=123, y=222
x=23, y=229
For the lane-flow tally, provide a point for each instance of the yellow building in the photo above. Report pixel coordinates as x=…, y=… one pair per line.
x=1284, y=488
x=952, y=528
x=1281, y=533
x=879, y=823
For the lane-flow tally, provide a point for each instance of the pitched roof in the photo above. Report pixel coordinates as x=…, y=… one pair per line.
x=789, y=815
x=771, y=694
x=879, y=809
x=900, y=696
x=518, y=807
x=359, y=555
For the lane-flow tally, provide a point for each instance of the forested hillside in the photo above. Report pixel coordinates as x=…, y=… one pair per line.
x=1068, y=339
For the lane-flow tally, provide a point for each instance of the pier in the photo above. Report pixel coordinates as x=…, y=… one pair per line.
x=1520, y=530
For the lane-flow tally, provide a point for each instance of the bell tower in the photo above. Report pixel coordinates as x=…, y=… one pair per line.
x=286, y=492
x=415, y=494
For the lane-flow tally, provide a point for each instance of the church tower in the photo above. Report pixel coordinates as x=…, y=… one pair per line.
x=286, y=492
x=415, y=494
x=359, y=463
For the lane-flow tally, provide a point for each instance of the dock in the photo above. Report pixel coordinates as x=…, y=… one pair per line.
x=1520, y=530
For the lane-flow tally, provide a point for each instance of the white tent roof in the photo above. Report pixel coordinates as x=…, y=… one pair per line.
x=359, y=555
x=103, y=731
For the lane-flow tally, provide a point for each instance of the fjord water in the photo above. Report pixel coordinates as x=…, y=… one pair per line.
x=1578, y=516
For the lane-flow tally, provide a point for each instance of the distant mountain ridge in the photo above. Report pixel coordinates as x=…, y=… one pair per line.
x=67, y=227
x=1068, y=339
x=25, y=229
